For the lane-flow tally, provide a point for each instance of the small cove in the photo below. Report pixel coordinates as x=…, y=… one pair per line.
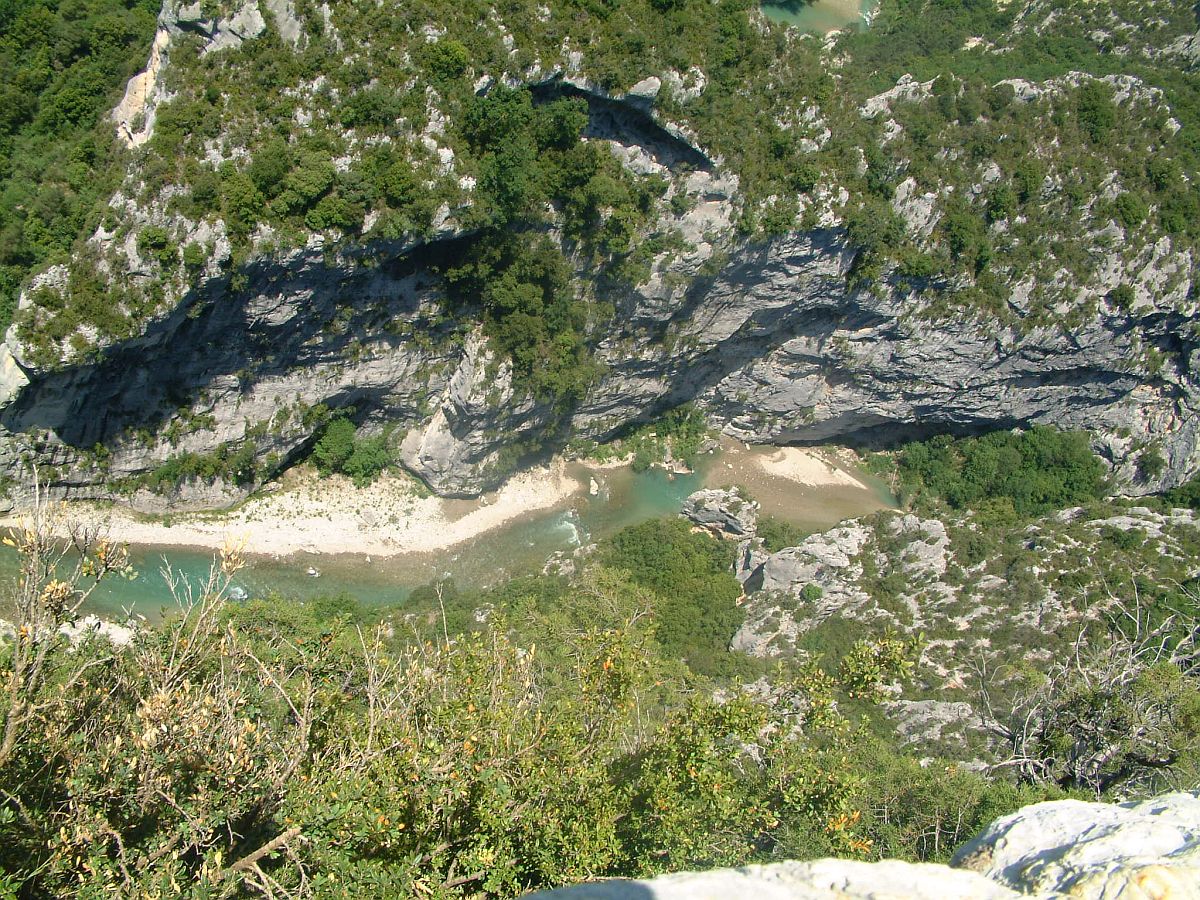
x=622, y=498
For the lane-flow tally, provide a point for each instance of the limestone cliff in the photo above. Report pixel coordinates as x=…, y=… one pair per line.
x=775, y=338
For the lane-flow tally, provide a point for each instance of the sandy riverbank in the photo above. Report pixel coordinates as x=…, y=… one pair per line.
x=808, y=467
x=394, y=516
x=311, y=515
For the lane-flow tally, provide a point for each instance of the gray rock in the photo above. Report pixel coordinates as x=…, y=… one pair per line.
x=794, y=567
x=924, y=721
x=645, y=90
x=85, y=628
x=284, y=13
x=749, y=561
x=247, y=22
x=687, y=86
x=12, y=377
x=724, y=511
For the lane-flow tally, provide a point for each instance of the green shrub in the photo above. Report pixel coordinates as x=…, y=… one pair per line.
x=445, y=59
x=1151, y=463
x=155, y=241
x=1035, y=471
x=194, y=255
x=340, y=450
x=691, y=574
x=778, y=534
x=1130, y=209
x=335, y=446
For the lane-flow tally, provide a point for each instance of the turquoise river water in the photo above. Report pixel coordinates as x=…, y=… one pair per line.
x=519, y=547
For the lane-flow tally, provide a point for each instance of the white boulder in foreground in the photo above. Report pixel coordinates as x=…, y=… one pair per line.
x=1097, y=851
x=1064, y=849
x=821, y=879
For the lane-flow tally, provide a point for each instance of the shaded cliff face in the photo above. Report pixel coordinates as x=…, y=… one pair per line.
x=775, y=348
x=790, y=338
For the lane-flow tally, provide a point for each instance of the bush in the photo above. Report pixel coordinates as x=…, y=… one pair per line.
x=1130, y=210
x=335, y=446
x=194, y=255
x=1095, y=108
x=340, y=450
x=445, y=60
x=155, y=242
x=778, y=534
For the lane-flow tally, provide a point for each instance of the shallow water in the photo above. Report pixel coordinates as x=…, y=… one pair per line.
x=820, y=16
x=521, y=547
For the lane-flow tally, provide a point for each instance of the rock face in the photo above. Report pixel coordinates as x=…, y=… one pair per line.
x=767, y=337
x=1085, y=851
x=775, y=348
x=725, y=511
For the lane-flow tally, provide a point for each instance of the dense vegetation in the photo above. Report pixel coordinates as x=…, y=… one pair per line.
x=697, y=615
x=1010, y=474
x=268, y=747
x=370, y=160
x=777, y=534
x=342, y=450
x=62, y=67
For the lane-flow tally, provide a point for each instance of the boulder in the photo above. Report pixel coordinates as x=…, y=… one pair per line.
x=1094, y=851
x=824, y=879
x=723, y=511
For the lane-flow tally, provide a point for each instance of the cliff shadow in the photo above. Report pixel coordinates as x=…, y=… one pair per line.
x=612, y=119
x=221, y=339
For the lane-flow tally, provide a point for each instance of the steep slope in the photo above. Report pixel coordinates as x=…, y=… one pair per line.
x=824, y=265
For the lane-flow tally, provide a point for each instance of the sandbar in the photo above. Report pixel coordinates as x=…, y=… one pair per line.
x=807, y=467
x=308, y=514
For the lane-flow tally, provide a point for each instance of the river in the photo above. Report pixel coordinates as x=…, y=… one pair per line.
x=520, y=547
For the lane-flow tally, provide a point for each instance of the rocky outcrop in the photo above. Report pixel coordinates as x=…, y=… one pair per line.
x=257, y=368
x=824, y=879
x=724, y=511
x=135, y=113
x=797, y=588
x=1085, y=851
x=775, y=348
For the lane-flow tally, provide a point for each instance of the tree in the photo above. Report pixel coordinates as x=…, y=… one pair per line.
x=1130, y=209
x=1121, y=711
x=335, y=446
x=445, y=59
x=1095, y=108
